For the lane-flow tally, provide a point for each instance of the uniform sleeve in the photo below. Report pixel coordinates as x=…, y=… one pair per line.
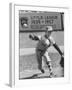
x=52, y=40
x=47, y=42
x=39, y=37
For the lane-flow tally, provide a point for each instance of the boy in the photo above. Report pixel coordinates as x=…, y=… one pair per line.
x=42, y=48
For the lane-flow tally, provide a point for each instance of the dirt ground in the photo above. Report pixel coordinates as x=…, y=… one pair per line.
x=28, y=67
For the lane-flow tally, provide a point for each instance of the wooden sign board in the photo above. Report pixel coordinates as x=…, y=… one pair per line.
x=38, y=20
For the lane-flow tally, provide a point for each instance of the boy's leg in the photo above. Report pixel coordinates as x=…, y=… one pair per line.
x=48, y=62
x=39, y=59
x=50, y=67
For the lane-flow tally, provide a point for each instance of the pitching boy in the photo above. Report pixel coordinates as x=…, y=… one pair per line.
x=44, y=43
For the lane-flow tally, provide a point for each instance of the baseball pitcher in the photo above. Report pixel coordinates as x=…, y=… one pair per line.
x=44, y=42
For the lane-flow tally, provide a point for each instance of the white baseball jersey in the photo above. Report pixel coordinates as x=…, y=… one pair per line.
x=44, y=42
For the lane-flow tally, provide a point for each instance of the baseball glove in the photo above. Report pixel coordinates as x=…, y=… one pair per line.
x=30, y=36
x=62, y=61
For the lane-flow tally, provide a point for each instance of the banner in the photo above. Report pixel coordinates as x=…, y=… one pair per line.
x=38, y=20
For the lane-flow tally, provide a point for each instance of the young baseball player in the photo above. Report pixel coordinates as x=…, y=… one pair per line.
x=42, y=48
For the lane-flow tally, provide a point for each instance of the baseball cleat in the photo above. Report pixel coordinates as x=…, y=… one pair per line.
x=42, y=71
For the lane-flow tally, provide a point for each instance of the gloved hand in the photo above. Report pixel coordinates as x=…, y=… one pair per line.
x=62, y=61
x=30, y=36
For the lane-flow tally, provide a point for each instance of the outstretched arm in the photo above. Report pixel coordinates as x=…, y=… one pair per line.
x=56, y=46
x=33, y=37
x=60, y=52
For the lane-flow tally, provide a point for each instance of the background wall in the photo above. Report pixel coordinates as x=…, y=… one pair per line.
x=4, y=41
x=26, y=42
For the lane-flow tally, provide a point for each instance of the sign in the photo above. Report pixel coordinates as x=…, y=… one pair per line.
x=35, y=20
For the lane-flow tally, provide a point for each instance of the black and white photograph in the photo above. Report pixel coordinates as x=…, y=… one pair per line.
x=41, y=44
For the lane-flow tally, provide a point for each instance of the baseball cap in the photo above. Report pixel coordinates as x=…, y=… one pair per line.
x=49, y=28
